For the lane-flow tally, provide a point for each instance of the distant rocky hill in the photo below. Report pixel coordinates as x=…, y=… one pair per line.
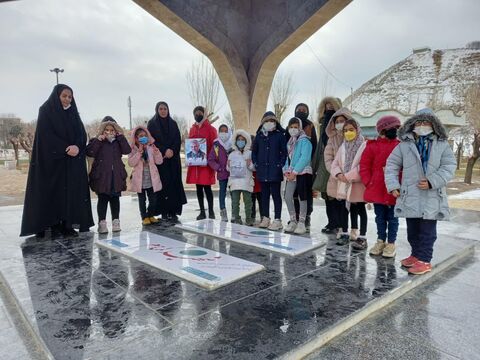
x=433, y=78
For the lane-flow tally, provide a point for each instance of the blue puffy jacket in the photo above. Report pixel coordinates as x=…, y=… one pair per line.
x=269, y=154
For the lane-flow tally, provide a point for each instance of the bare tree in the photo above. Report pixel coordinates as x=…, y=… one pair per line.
x=183, y=126
x=281, y=94
x=140, y=121
x=204, y=86
x=14, y=135
x=472, y=111
x=460, y=137
x=92, y=128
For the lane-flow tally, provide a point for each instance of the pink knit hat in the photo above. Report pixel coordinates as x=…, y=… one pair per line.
x=387, y=122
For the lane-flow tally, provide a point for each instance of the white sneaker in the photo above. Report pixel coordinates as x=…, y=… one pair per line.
x=300, y=229
x=265, y=223
x=102, y=227
x=116, y=225
x=291, y=226
x=276, y=225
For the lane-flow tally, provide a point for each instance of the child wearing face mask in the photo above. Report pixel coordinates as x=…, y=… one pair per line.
x=217, y=160
x=427, y=164
x=372, y=167
x=345, y=168
x=145, y=178
x=108, y=175
x=269, y=155
x=297, y=171
x=241, y=176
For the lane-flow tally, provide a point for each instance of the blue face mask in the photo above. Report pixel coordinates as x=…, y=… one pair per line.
x=240, y=144
x=143, y=140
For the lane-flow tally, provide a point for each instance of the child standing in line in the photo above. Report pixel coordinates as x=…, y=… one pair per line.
x=345, y=168
x=145, y=179
x=269, y=155
x=241, y=179
x=108, y=175
x=372, y=167
x=298, y=171
x=256, y=194
x=217, y=160
x=427, y=164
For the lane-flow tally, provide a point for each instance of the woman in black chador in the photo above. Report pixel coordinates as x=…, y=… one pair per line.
x=167, y=139
x=57, y=194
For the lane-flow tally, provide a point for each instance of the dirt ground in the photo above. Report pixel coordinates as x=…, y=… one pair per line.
x=13, y=183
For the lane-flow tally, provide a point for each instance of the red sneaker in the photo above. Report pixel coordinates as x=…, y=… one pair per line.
x=420, y=268
x=409, y=261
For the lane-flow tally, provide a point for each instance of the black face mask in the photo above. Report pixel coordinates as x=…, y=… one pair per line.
x=198, y=118
x=301, y=115
x=391, y=133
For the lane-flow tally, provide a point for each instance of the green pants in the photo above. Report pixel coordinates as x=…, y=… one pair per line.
x=247, y=201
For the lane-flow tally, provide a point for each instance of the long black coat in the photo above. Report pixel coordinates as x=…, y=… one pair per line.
x=57, y=185
x=108, y=162
x=171, y=198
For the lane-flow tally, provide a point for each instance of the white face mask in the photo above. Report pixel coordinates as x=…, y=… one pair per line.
x=67, y=107
x=269, y=126
x=224, y=136
x=293, y=131
x=111, y=138
x=339, y=126
x=423, y=130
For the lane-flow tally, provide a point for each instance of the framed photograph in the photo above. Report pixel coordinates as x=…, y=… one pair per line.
x=196, y=152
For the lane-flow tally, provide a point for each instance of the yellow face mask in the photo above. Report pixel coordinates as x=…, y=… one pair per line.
x=350, y=135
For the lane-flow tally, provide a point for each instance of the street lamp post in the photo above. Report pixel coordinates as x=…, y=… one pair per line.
x=56, y=71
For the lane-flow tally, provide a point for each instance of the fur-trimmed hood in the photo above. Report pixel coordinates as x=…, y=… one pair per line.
x=151, y=140
x=247, y=137
x=336, y=102
x=406, y=131
x=331, y=130
x=103, y=125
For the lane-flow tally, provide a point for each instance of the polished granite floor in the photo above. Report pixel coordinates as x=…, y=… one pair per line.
x=87, y=303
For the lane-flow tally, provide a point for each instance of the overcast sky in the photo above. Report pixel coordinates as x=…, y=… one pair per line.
x=112, y=49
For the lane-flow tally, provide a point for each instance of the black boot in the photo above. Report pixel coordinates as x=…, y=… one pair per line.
x=211, y=214
x=40, y=234
x=202, y=215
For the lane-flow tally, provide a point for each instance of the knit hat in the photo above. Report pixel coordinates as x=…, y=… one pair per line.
x=387, y=122
x=269, y=115
x=197, y=108
x=426, y=111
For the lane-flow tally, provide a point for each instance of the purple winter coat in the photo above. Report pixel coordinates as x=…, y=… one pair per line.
x=108, y=161
x=217, y=160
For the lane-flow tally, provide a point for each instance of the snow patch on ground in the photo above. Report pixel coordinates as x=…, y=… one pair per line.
x=471, y=195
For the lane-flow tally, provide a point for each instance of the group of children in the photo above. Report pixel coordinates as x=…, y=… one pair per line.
x=402, y=172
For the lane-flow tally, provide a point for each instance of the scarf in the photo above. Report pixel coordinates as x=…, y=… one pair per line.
x=228, y=144
x=424, y=145
x=351, y=148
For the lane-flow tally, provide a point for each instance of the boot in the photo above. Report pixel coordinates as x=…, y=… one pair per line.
x=223, y=214
x=202, y=215
x=211, y=214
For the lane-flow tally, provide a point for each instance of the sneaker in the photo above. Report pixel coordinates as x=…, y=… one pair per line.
x=420, y=268
x=389, y=250
x=202, y=215
x=102, y=227
x=276, y=225
x=153, y=220
x=116, y=225
x=249, y=222
x=300, y=229
x=291, y=226
x=146, y=221
x=211, y=214
x=353, y=234
x=343, y=239
x=223, y=214
x=265, y=223
x=307, y=223
x=360, y=244
x=409, y=261
x=377, y=249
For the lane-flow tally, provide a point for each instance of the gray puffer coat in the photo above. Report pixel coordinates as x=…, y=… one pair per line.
x=413, y=202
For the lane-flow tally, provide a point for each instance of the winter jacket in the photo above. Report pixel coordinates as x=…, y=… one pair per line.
x=300, y=159
x=136, y=162
x=354, y=192
x=107, y=163
x=335, y=140
x=269, y=154
x=372, y=170
x=217, y=160
x=413, y=202
x=241, y=174
x=202, y=175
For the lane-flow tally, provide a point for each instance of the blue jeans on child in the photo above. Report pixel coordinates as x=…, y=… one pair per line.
x=222, y=193
x=273, y=189
x=385, y=219
x=421, y=235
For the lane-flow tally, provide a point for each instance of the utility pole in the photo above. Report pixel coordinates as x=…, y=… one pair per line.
x=56, y=71
x=129, y=102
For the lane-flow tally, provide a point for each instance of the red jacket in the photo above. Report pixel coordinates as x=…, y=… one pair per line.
x=202, y=175
x=372, y=165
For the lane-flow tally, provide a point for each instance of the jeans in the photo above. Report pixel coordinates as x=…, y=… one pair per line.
x=290, y=188
x=386, y=220
x=142, y=200
x=222, y=194
x=102, y=205
x=271, y=188
x=421, y=235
